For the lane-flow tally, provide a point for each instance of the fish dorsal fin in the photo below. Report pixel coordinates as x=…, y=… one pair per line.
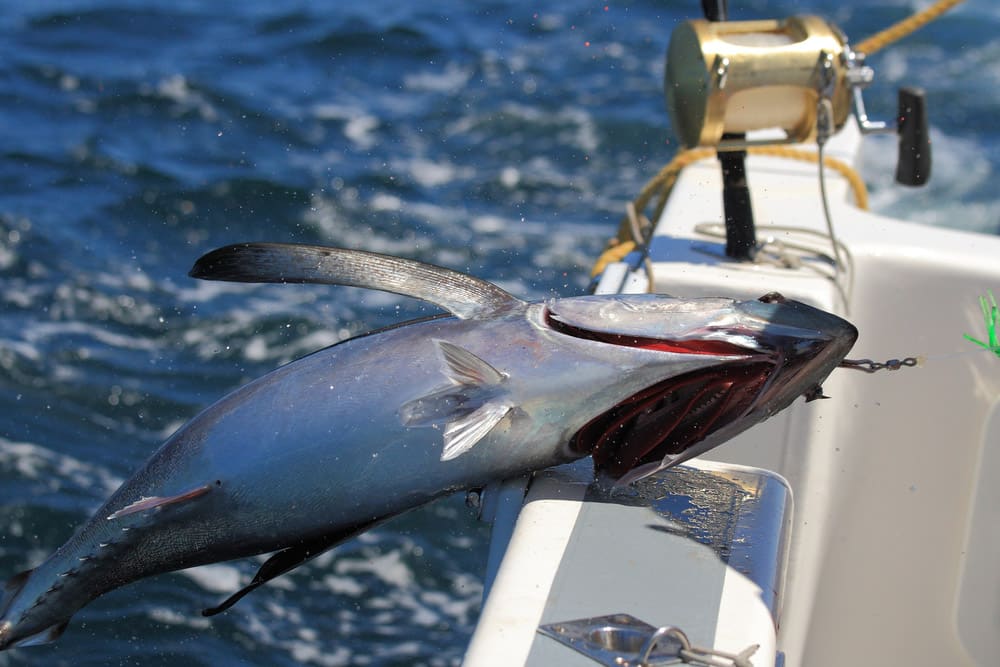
x=464, y=367
x=287, y=560
x=462, y=295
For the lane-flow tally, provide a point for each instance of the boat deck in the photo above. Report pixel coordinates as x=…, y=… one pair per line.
x=894, y=543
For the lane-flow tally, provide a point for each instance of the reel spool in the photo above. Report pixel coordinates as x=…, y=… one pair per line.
x=734, y=77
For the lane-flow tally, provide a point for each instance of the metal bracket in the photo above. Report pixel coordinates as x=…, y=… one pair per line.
x=621, y=640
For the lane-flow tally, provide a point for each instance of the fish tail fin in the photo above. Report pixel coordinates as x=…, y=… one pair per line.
x=9, y=635
x=11, y=589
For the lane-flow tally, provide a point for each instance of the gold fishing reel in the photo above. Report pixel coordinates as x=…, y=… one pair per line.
x=733, y=77
x=792, y=80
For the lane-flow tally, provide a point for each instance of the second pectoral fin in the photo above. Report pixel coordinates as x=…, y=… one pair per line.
x=464, y=416
x=469, y=409
x=462, y=434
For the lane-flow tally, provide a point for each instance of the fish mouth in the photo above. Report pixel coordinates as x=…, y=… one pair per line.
x=665, y=420
x=766, y=353
x=686, y=346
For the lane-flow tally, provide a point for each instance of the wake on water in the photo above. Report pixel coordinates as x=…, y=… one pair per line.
x=499, y=140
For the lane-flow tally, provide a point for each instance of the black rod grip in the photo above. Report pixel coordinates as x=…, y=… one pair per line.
x=715, y=10
x=914, y=165
x=741, y=234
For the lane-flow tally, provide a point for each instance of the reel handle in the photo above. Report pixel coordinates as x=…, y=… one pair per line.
x=914, y=164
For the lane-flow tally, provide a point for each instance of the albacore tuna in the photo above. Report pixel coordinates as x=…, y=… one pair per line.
x=333, y=443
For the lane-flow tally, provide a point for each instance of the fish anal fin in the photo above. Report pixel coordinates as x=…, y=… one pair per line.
x=464, y=367
x=287, y=560
x=156, y=502
x=462, y=434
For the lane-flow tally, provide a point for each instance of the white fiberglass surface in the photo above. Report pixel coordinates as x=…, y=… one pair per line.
x=909, y=447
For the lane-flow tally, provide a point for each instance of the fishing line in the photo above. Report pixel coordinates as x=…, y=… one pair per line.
x=991, y=317
x=824, y=130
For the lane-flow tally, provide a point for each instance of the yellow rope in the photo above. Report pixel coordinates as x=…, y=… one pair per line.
x=847, y=171
x=900, y=30
x=624, y=242
x=615, y=252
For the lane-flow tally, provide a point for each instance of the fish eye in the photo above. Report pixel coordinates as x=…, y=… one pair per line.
x=773, y=297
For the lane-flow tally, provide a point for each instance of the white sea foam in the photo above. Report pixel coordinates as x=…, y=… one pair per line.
x=449, y=79
x=383, y=201
x=176, y=89
x=348, y=586
x=361, y=130
x=23, y=294
x=311, y=653
x=201, y=291
x=215, y=578
x=574, y=126
x=172, y=617
x=53, y=469
x=431, y=173
x=10, y=350
x=7, y=256
x=335, y=111
x=388, y=567
x=42, y=333
x=962, y=173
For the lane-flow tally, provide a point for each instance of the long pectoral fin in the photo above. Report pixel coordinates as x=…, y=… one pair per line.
x=287, y=560
x=462, y=295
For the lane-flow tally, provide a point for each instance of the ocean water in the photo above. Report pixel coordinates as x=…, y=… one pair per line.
x=498, y=138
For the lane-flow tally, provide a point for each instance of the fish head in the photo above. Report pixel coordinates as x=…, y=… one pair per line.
x=805, y=344
x=727, y=365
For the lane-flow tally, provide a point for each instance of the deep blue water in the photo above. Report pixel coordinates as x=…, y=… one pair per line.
x=496, y=137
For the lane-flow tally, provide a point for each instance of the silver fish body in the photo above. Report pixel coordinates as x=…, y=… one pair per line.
x=331, y=444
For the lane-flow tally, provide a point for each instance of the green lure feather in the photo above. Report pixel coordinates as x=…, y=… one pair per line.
x=991, y=315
